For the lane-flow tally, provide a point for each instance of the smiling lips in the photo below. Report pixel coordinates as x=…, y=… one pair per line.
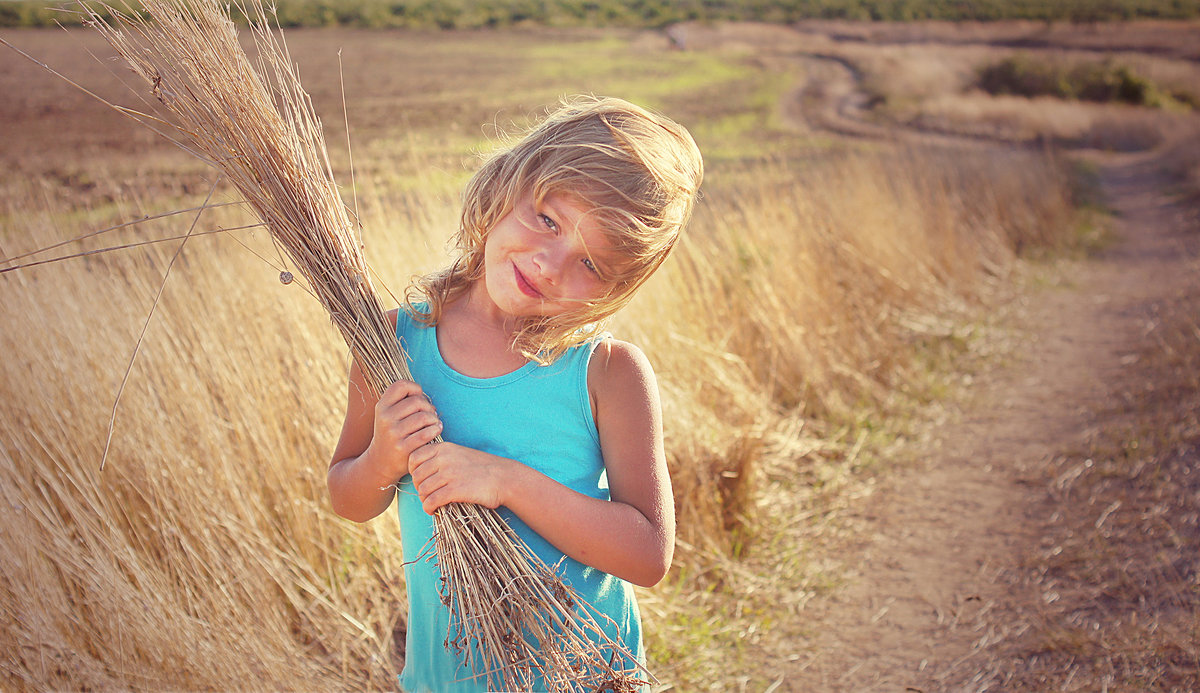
x=525, y=285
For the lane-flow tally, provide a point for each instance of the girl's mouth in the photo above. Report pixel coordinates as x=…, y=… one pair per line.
x=525, y=285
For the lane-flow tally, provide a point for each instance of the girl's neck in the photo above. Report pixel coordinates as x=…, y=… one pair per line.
x=475, y=338
x=476, y=307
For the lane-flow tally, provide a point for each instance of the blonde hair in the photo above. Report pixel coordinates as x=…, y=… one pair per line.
x=637, y=172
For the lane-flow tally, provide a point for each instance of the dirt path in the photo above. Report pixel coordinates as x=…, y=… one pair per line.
x=945, y=539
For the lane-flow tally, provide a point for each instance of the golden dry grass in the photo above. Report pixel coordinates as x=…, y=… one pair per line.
x=205, y=555
x=255, y=125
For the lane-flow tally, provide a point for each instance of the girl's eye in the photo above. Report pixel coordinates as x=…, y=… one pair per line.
x=548, y=223
x=587, y=262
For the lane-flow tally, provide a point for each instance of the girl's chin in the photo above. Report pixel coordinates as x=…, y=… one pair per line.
x=516, y=303
x=534, y=308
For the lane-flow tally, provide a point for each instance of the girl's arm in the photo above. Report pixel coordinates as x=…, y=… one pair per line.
x=377, y=438
x=633, y=535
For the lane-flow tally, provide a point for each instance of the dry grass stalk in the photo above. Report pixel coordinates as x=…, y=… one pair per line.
x=515, y=619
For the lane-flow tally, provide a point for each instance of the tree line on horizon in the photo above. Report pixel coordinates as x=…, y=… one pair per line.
x=476, y=14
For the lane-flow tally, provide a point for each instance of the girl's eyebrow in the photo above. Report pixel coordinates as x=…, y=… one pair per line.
x=561, y=211
x=553, y=211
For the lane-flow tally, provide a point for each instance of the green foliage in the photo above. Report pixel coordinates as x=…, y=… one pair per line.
x=15, y=14
x=1104, y=81
x=473, y=14
x=39, y=13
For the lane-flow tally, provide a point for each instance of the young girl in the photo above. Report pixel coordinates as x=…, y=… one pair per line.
x=543, y=415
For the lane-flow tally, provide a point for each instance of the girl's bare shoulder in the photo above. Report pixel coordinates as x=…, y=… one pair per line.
x=620, y=374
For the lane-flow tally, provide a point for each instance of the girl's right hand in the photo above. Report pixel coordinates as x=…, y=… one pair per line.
x=405, y=420
x=378, y=435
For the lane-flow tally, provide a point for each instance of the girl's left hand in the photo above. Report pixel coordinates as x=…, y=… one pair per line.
x=448, y=473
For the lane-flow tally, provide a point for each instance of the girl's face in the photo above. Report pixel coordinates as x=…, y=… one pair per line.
x=544, y=259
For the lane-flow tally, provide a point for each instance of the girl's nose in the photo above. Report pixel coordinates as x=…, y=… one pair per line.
x=549, y=262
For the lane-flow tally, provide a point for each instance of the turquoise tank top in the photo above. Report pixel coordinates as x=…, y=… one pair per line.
x=540, y=416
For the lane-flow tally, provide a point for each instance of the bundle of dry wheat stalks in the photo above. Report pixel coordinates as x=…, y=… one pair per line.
x=513, y=619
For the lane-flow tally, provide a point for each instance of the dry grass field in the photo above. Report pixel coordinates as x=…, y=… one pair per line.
x=826, y=289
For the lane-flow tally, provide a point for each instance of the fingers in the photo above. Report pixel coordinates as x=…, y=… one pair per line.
x=403, y=421
x=415, y=433
x=404, y=412
x=431, y=502
x=401, y=391
x=426, y=434
x=420, y=456
x=447, y=473
x=423, y=466
x=436, y=491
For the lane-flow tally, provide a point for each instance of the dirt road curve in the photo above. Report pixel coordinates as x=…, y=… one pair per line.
x=929, y=601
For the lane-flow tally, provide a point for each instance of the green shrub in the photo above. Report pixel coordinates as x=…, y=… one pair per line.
x=1102, y=82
